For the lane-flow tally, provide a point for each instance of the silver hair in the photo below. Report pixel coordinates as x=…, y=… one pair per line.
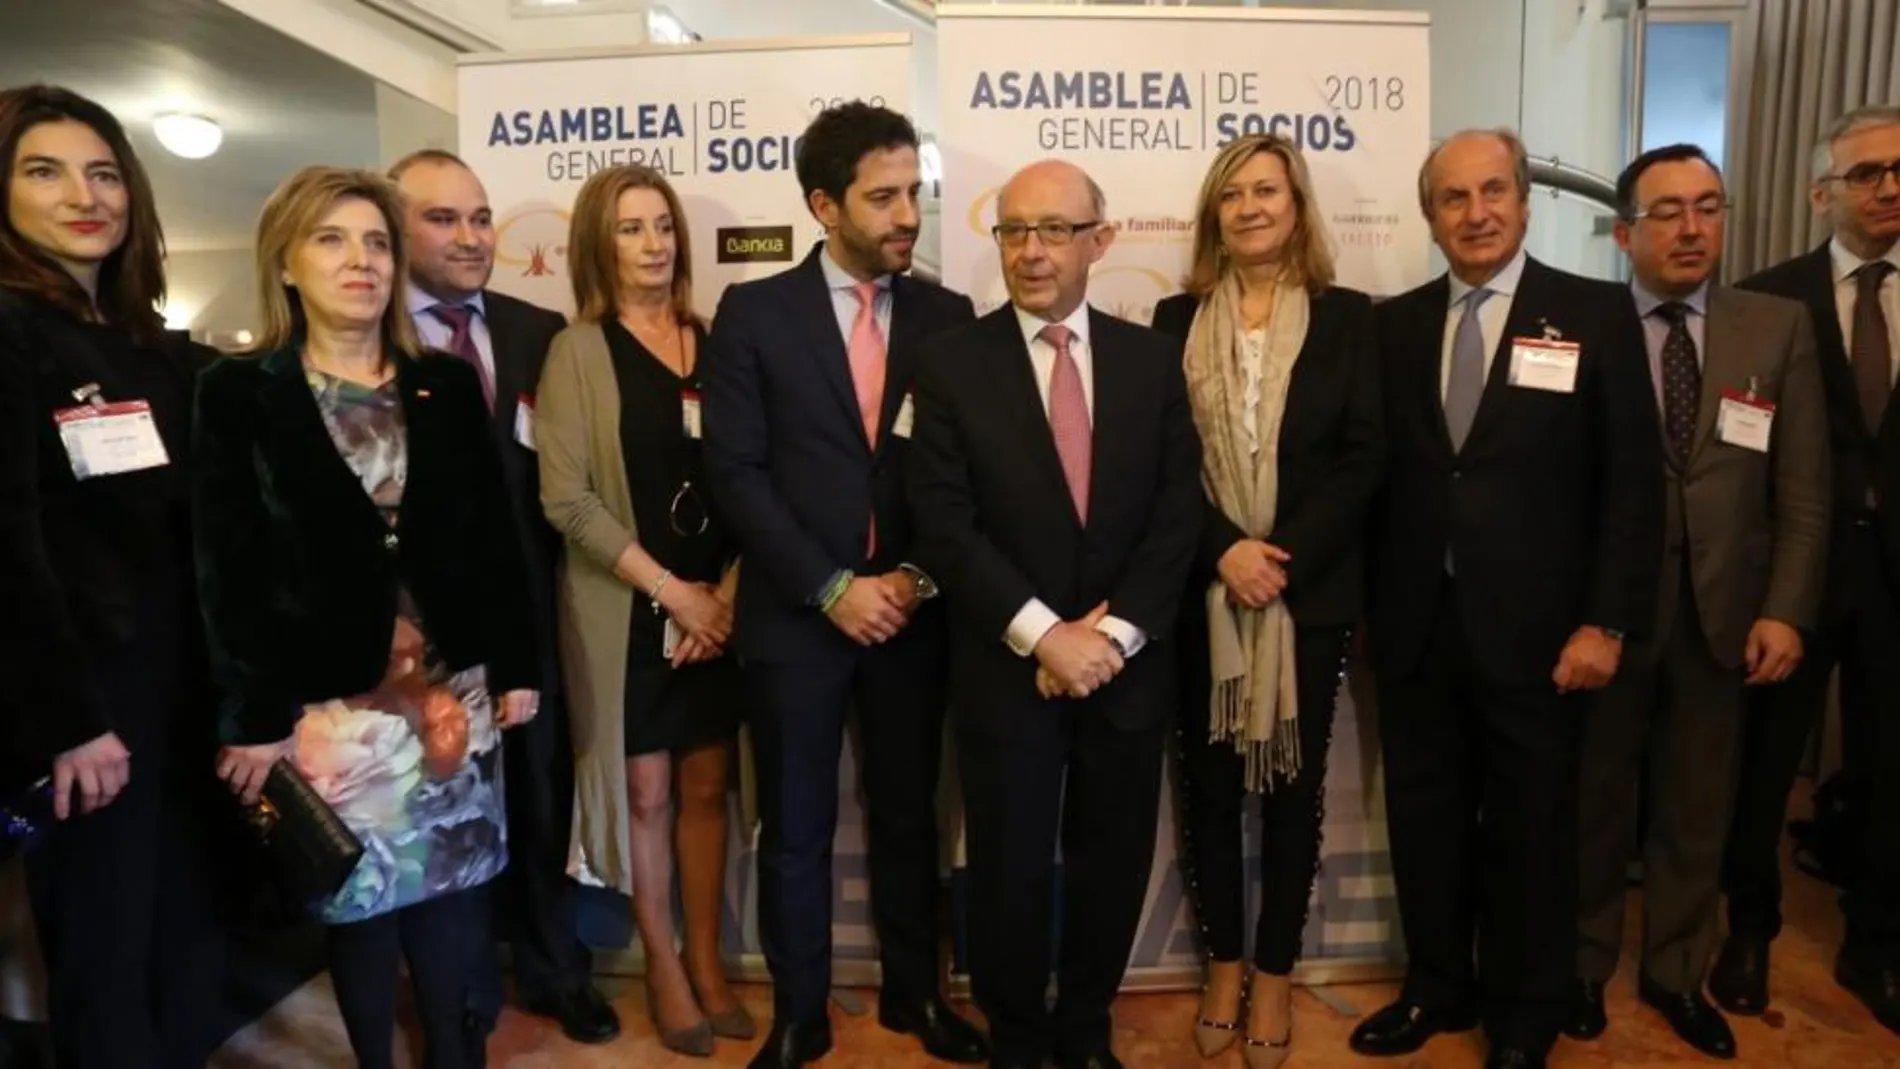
x=1520, y=158
x=1852, y=122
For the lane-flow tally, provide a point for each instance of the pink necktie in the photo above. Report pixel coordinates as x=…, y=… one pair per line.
x=1069, y=417
x=866, y=352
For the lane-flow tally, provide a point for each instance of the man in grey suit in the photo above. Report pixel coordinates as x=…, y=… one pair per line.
x=1745, y=457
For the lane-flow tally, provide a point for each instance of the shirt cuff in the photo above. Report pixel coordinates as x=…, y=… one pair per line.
x=817, y=598
x=1132, y=638
x=1032, y=622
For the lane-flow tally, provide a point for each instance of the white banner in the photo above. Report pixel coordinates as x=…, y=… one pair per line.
x=720, y=120
x=1143, y=98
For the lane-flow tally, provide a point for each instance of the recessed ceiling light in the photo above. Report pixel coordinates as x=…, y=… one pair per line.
x=192, y=136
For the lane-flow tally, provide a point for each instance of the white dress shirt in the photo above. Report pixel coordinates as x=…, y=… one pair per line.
x=437, y=335
x=1845, y=264
x=1491, y=316
x=1035, y=619
x=1656, y=330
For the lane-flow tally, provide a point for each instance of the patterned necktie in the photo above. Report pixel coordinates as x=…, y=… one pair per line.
x=1872, y=356
x=1681, y=381
x=867, y=355
x=460, y=319
x=1069, y=417
x=1464, y=387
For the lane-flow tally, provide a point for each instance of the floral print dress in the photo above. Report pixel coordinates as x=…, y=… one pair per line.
x=413, y=767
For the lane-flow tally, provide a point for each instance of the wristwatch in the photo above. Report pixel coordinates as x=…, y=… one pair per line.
x=921, y=582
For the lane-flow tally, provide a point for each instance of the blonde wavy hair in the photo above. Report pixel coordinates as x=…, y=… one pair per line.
x=291, y=215
x=1308, y=253
x=593, y=256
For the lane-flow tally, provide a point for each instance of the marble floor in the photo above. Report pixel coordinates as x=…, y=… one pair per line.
x=1813, y=1025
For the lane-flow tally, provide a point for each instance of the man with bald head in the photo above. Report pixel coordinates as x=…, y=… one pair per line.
x=1519, y=538
x=1055, y=483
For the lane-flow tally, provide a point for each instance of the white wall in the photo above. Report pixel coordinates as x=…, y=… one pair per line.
x=405, y=124
x=211, y=291
x=492, y=19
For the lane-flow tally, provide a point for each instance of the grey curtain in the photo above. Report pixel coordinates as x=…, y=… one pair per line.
x=1805, y=63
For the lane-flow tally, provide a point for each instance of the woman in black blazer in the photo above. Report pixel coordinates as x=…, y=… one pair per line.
x=1284, y=386
x=365, y=597
x=108, y=693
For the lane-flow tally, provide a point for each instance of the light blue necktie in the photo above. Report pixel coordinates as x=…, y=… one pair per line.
x=1465, y=385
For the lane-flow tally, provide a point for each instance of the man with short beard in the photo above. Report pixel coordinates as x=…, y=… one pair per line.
x=451, y=237
x=808, y=423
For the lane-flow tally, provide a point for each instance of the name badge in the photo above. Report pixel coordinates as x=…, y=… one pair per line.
x=906, y=415
x=110, y=439
x=1544, y=364
x=524, y=422
x=1745, y=420
x=689, y=414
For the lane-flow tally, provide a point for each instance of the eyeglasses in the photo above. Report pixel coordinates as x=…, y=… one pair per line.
x=1866, y=176
x=1054, y=233
x=1672, y=210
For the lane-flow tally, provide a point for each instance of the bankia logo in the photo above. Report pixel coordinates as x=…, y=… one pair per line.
x=755, y=244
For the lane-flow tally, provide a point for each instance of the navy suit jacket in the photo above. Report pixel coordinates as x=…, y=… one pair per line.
x=787, y=460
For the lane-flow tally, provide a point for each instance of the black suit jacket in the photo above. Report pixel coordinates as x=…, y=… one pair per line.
x=1332, y=457
x=77, y=557
x=1864, y=459
x=996, y=526
x=521, y=334
x=1553, y=511
x=297, y=570
x=786, y=455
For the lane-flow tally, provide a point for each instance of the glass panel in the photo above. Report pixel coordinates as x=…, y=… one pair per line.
x=1685, y=85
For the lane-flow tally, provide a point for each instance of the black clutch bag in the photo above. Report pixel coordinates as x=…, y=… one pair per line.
x=25, y=815
x=307, y=845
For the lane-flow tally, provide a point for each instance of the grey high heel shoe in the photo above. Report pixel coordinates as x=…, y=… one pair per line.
x=1267, y=1053
x=694, y=1042
x=734, y=1023
x=1213, y=1037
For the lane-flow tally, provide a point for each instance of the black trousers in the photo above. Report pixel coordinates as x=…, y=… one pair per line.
x=532, y=903
x=1675, y=705
x=1861, y=638
x=366, y=962
x=1213, y=796
x=1071, y=777
x=798, y=713
x=122, y=903
x=1481, y=805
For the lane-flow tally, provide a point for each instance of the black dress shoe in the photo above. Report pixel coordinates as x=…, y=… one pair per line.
x=945, y=1035
x=1878, y=986
x=1587, y=1017
x=584, y=1016
x=1403, y=1028
x=1101, y=1059
x=1739, y=982
x=793, y=1043
x=1514, y=1058
x=1700, y=1025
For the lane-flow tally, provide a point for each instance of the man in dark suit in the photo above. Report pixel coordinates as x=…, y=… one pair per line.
x=1519, y=538
x=1851, y=287
x=450, y=233
x=1745, y=461
x=1057, y=494
x=808, y=418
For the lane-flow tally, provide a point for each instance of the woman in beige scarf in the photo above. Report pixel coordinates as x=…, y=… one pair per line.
x=1282, y=376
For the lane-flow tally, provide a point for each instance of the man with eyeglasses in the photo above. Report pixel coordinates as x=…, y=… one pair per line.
x=1745, y=467
x=1851, y=286
x=1517, y=539
x=1056, y=488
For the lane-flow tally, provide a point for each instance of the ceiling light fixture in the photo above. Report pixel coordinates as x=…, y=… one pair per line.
x=192, y=136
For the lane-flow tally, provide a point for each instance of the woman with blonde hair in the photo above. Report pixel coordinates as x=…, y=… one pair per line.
x=646, y=590
x=365, y=598
x=1283, y=381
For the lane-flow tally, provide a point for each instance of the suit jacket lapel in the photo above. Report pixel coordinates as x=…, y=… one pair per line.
x=510, y=369
x=1429, y=334
x=320, y=470
x=907, y=333
x=811, y=306
x=1724, y=339
x=1015, y=377
x=1114, y=387
x=1528, y=318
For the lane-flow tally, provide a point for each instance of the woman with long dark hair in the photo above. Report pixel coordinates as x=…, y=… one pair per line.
x=109, y=700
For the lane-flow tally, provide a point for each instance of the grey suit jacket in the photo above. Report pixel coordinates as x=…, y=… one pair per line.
x=1753, y=525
